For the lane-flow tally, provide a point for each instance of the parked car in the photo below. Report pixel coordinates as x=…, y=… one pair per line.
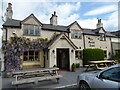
x=108, y=78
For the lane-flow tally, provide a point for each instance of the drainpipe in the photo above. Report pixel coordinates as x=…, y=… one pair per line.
x=6, y=34
x=44, y=57
x=111, y=47
x=84, y=40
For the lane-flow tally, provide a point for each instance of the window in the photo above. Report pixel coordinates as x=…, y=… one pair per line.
x=102, y=37
x=31, y=56
x=75, y=34
x=78, y=54
x=37, y=30
x=25, y=29
x=31, y=30
x=105, y=53
x=112, y=74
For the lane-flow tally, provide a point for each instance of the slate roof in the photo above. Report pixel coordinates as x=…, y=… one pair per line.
x=60, y=28
x=95, y=32
x=54, y=27
x=12, y=23
x=117, y=33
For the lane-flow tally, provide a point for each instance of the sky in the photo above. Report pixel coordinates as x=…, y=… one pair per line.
x=84, y=12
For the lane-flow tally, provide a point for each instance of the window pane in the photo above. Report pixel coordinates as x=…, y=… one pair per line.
x=25, y=56
x=78, y=54
x=102, y=36
x=25, y=29
x=112, y=74
x=31, y=56
x=37, y=30
x=105, y=53
x=75, y=34
x=72, y=34
x=32, y=29
x=31, y=53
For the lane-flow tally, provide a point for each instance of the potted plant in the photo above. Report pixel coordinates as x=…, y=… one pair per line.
x=77, y=65
x=54, y=67
x=73, y=67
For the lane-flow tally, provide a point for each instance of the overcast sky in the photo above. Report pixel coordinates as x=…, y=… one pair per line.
x=85, y=13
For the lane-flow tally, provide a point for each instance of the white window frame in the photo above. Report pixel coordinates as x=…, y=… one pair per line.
x=76, y=34
x=34, y=33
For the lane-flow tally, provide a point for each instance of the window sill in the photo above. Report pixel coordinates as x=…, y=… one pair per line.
x=31, y=63
x=77, y=59
x=30, y=35
x=102, y=40
x=76, y=38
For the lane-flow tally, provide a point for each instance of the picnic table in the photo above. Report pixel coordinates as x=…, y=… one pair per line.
x=99, y=65
x=34, y=76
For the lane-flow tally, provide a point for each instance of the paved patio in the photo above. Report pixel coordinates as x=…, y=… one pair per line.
x=68, y=79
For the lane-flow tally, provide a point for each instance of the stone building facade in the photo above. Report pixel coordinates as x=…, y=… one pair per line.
x=65, y=42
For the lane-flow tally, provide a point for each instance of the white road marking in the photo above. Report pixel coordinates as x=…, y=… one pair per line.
x=67, y=85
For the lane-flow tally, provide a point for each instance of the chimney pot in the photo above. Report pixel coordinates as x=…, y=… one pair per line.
x=54, y=13
x=9, y=5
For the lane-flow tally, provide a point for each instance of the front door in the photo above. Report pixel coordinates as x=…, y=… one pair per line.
x=63, y=59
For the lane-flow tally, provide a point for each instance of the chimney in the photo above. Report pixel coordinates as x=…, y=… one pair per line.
x=99, y=24
x=9, y=12
x=53, y=19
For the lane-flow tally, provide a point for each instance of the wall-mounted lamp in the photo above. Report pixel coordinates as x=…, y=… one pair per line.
x=14, y=33
x=53, y=51
x=71, y=50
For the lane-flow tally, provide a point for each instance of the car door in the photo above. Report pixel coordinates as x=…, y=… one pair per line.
x=108, y=79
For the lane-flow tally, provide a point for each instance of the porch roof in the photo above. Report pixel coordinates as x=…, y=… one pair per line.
x=57, y=37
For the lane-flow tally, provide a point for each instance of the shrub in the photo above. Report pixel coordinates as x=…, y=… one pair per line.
x=77, y=65
x=92, y=55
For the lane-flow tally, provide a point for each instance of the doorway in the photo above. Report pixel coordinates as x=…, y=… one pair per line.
x=63, y=59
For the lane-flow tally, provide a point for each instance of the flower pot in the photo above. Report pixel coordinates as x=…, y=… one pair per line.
x=73, y=69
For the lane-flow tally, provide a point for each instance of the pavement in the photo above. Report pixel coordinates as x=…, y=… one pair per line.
x=69, y=79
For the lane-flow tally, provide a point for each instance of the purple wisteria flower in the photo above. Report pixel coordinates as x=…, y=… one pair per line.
x=15, y=48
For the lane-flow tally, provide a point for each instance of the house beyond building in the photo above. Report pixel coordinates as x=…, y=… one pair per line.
x=65, y=42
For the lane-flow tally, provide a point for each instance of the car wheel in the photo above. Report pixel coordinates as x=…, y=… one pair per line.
x=84, y=86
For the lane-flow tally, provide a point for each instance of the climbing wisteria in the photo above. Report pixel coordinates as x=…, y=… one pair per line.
x=15, y=48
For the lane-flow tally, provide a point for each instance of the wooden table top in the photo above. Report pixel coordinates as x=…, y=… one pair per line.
x=102, y=61
x=35, y=70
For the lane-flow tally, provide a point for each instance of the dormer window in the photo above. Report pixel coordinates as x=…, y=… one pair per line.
x=31, y=30
x=75, y=34
x=102, y=37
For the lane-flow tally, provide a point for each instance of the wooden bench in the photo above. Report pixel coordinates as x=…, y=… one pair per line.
x=35, y=79
x=34, y=76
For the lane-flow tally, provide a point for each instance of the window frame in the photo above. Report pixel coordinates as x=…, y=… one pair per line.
x=102, y=37
x=105, y=53
x=32, y=55
x=29, y=30
x=24, y=27
x=76, y=34
x=80, y=54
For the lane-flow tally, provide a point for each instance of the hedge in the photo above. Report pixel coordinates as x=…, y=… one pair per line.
x=90, y=54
